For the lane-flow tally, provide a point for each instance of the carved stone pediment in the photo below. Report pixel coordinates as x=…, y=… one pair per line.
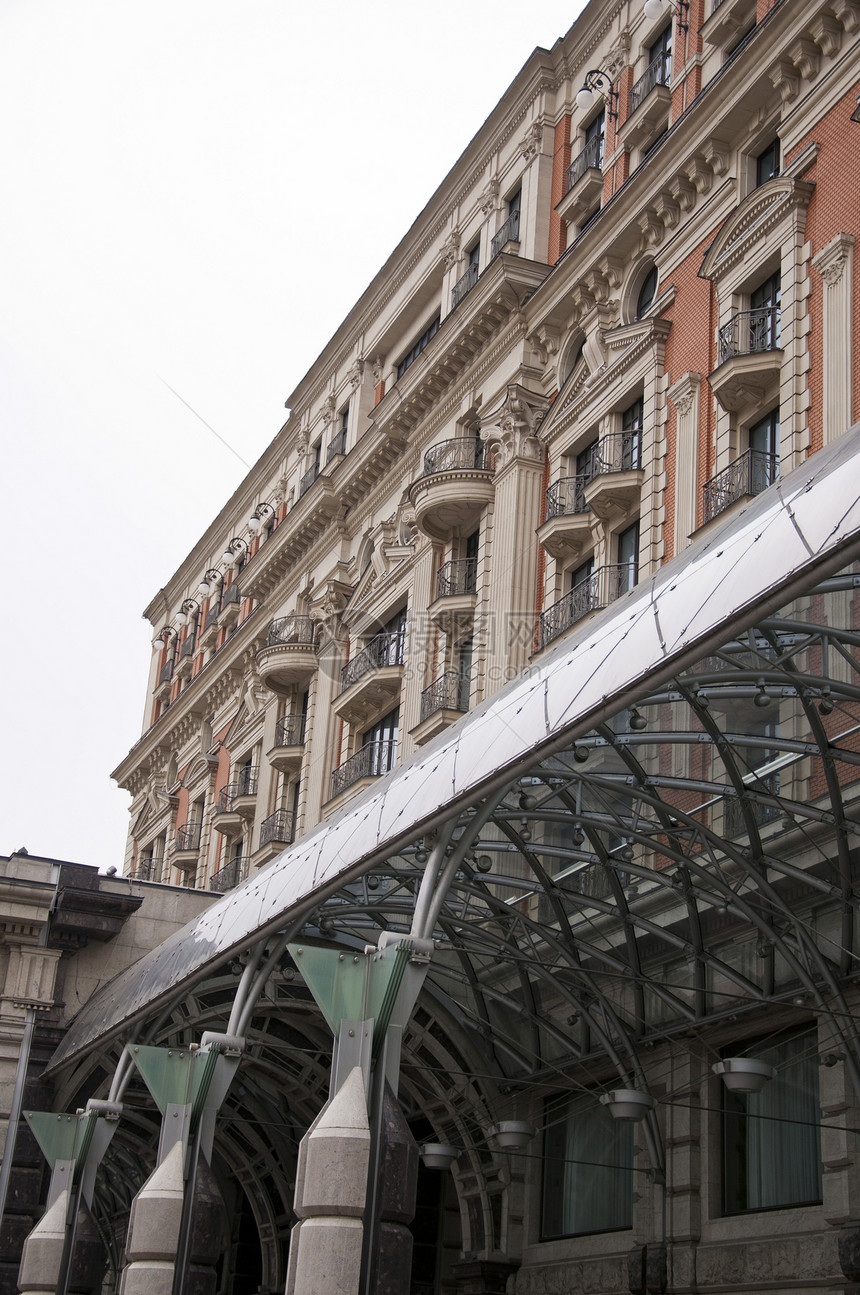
x=752, y=220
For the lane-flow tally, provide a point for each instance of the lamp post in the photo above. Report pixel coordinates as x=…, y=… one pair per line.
x=596, y=80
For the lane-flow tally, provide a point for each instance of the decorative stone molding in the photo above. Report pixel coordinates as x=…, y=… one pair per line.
x=490, y=200
x=355, y=372
x=848, y=13
x=806, y=57
x=378, y=365
x=544, y=341
x=512, y=430
x=618, y=57
x=530, y=144
x=785, y=79
x=329, y=409
x=831, y=261
x=827, y=34
x=450, y=255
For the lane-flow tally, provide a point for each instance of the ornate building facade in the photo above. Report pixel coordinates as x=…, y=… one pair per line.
x=572, y=402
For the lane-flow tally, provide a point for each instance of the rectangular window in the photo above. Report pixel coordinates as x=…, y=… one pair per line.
x=588, y=1169
x=628, y=558
x=380, y=744
x=771, y=1141
x=662, y=50
x=631, y=436
x=594, y=135
x=418, y=346
x=767, y=163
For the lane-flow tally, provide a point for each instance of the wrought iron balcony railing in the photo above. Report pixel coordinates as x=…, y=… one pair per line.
x=166, y=671
x=230, y=595
x=566, y=497
x=244, y=784
x=508, y=233
x=370, y=761
x=458, y=455
x=657, y=73
x=228, y=876
x=749, y=331
x=212, y=615
x=385, y=649
x=292, y=629
x=749, y=474
x=449, y=692
x=187, y=648
x=464, y=284
x=603, y=586
x=336, y=446
x=290, y=731
x=617, y=452
x=278, y=827
x=591, y=156
x=308, y=479
x=457, y=578
x=188, y=837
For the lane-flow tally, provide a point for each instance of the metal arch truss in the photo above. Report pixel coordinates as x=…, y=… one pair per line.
x=690, y=862
x=684, y=870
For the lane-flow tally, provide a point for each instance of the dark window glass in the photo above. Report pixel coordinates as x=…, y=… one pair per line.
x=582, y=573
x=412, y=355
x=647, y=292
x=514, y=202
x=631, y=441
x=475, y=256
x=662, y=48
x=588, y=1169
x=764, y=435
x=771, y=1145
x=767, y=163
x=628, y=557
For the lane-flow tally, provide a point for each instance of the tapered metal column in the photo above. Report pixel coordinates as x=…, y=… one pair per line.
x=188, y=1085
x=74, y=1146
x=335, y=1248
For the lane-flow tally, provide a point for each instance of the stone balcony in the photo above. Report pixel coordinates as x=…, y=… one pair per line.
x=288, y=750
x=236, y=803
x=453, y=608
x=370, y=682
x=454, y=488
x=290, y=654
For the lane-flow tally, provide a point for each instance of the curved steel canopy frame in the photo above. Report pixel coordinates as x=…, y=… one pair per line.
x=652, y=834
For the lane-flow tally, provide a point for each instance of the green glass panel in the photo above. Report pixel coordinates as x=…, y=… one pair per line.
x=175, y=1076
x=61, y=1137
x=353, y=987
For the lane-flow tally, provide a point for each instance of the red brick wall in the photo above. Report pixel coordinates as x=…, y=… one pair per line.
x=833, y=209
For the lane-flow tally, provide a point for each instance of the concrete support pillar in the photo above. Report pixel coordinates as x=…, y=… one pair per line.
x=331, y=1182
x=42, y=1256
x=153, y=1229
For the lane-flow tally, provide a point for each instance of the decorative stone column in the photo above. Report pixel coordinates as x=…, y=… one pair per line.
x=511, y=434
x=684, y=395
x=835, y=264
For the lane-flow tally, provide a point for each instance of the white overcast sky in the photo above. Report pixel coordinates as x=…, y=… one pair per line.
x=192, y=195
